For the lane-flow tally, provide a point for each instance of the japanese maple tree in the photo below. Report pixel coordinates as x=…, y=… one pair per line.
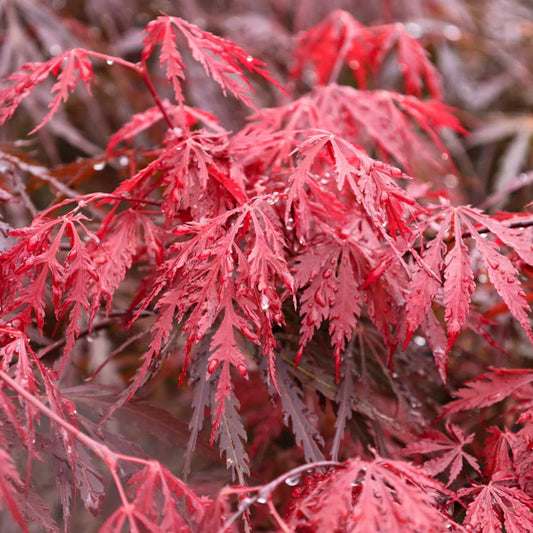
x=306, y=280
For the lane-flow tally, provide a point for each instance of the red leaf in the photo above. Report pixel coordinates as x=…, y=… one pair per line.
x=496, y=506
x=69, y=68
x=222, y=60
x=458, y=285
x=489, y=388
x=379, y=496
x=451, y=453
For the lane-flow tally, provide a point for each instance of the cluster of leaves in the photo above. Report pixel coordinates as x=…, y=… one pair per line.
x=285, y=269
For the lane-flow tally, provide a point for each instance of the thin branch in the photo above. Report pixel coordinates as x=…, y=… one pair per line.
x=148, y=82
x=264, y=491
x=516, y=224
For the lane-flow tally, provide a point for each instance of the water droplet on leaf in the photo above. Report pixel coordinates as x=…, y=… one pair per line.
x=265, y=302
x=292, y=481
x=212, y=366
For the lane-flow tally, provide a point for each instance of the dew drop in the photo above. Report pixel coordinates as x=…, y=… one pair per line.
x=99, y=166
x=395, y=375
x=212, y=366
x=451, y=181
x=292, y=481
x=123, y=160
x=110, y=62
x=452, y=32
x=55, y=49
x=90, y=501
x=420, y=341
x=444, y=156
x=414, y=30
x=249, y=59
x=261, y=499
x=319, y=298
x=273, y=199
x=265, y=302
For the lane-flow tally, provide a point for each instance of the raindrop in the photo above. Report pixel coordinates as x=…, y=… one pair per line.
x=261, y=499
x=90, y=501
x=395, y=375
x=265, y=302
x=99, y=166
x=414, y=30
x=110, y=62
x=420, y=341
x=319, y=298
x=249, y=59
x=452, y=32
x=273, y=199
x=55, y=49
x=292, y=481
x=123, y=160
x=451, y=181
x=212, y=366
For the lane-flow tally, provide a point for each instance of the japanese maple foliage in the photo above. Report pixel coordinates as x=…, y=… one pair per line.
x=298, y=277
